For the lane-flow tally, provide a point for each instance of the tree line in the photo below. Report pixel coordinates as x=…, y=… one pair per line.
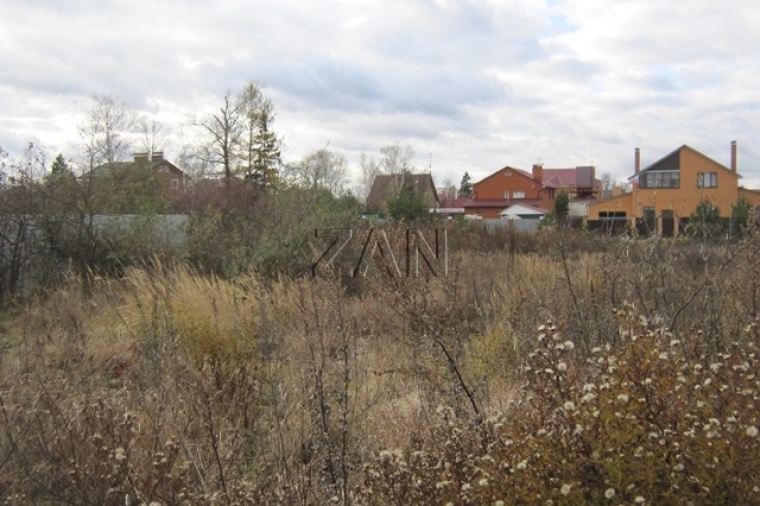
x=247, y=208
x=235, y=140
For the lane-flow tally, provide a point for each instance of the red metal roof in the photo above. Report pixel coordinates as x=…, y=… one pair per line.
x=559, y=178
x=454, y=203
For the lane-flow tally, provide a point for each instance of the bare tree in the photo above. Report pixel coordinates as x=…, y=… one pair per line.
x=368, y=169
x=396, y=159
x=610, y=183
x=448, y=190
x=33, y=165
x=224, y=131
x=322, y=169
x=105, y=131
x=193, y=161
x=152, y=135
x=238, y=137
x=607, y=181
x=20, y=245
x=3, y=167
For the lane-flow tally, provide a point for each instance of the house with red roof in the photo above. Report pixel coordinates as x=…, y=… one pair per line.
x=537, y=190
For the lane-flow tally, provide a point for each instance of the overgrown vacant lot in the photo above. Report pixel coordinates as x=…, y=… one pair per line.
x=574, y=371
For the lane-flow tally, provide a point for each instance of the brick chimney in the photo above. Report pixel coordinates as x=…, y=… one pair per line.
x=141, y=157
x=538, y=172
x=733, y=156
x=158, y=156
x=636, y=161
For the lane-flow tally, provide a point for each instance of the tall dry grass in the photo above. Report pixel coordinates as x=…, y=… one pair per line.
x=168, y=386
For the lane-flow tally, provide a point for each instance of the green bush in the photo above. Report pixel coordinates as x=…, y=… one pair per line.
x=705, y=223
x=407, y=206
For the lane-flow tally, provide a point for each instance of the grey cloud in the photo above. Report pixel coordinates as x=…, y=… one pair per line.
x=573, y=78
x=572, y=68
x=12, y=142
x=330, y=84
x=327, y=80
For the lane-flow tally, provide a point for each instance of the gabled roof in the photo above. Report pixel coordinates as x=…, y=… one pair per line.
x=559, y=178
x=551, y=178
x=454, y=203
x=565, y=177
x=140, y=161
x=107, y=169
x=387, y=186
x=502, y=170
x=672, y=160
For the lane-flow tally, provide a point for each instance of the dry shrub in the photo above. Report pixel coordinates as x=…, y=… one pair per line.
x=158, y=418
x=280, y=392
x=188, y=442
x=653, y=420
x=691, y=286
x=208, y=318
x=355, y=373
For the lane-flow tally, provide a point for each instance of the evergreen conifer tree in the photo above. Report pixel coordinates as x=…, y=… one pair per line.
x=465, y=187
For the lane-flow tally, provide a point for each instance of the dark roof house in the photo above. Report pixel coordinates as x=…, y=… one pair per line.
x=388, y=186
x=172, y=179
x=127, y=187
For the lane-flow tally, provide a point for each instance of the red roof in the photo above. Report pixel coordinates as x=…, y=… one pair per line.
x=506, y=167
x=523, y=172
x=559, y=178
x=454, y=203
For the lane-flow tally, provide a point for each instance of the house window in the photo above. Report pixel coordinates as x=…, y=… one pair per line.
x=175, y=184
x=707, y=180
x=506, y=194
x=650, y=220
x=518, y=195
x=652, y=180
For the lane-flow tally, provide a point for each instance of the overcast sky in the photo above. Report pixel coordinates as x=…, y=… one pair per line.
x=471, y=85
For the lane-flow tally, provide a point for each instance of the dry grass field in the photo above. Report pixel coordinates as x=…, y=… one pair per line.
x=580, y=370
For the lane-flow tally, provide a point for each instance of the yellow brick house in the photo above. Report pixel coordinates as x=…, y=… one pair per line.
x=664, y=194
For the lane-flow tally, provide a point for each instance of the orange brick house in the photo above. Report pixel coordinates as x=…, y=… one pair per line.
x=667, y=192
x=538, y=189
